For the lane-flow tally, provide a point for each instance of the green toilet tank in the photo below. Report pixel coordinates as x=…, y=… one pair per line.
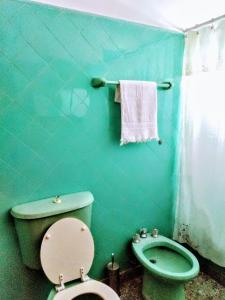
x=34, y=218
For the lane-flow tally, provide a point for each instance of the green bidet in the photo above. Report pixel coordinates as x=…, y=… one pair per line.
x=167, y=266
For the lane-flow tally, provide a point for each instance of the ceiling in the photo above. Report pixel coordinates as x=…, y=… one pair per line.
x=171, y=14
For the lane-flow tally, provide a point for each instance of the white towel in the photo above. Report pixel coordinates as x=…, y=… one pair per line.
x=138, y=111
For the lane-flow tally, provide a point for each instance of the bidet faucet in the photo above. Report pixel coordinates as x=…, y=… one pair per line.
x=143, y=232
x=155, y=233
x=136, y=238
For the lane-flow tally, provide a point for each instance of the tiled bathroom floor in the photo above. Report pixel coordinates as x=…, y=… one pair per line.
x=201, y=288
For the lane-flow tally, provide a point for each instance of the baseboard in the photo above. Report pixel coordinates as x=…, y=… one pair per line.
x=131, y=273
x=128, y=274
x=206, y=266
x=209, y=267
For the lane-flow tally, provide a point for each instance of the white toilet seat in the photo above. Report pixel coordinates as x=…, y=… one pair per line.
x=67, y=248
x=88, y=287
x=67, y=253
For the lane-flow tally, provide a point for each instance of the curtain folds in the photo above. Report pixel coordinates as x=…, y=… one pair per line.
x=200, y=214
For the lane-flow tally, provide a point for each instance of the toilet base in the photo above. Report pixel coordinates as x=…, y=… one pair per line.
x=156, y=288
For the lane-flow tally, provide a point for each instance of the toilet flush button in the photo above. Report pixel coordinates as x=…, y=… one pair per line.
x=57, y=200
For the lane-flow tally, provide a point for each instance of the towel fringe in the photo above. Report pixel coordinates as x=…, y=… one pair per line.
x=122, y=142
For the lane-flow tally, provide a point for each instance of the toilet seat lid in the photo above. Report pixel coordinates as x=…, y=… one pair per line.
x=66, y=247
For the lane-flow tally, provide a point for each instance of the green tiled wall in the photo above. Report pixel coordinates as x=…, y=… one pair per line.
x=58, y=135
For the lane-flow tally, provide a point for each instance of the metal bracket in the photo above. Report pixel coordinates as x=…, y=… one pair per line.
x=61, y=285
x=83, y=277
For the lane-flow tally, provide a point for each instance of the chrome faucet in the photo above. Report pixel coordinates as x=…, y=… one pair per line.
x=155, y=233
x=136, y=238
x=143, y=232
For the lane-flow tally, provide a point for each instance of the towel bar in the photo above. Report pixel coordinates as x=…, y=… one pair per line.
x=100, y=82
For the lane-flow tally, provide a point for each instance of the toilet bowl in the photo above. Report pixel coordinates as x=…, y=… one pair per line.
x=167, y=266
x=67, y=252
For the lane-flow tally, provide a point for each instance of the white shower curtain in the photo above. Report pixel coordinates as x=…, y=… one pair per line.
x=200, y=214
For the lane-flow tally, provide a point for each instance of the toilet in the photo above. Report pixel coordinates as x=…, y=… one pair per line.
x=54, y=235
x=167, y=266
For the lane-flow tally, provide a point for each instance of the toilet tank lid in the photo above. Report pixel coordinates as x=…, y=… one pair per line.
x=52, y=206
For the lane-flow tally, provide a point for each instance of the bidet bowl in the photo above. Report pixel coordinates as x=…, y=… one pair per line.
x=168, y=265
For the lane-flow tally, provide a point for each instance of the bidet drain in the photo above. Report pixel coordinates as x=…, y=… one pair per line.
x=152, y=260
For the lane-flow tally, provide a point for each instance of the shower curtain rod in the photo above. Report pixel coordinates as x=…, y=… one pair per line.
x=204, y=23
x=100, y=82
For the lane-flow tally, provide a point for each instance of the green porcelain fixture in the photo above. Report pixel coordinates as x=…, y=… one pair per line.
x=167, y=266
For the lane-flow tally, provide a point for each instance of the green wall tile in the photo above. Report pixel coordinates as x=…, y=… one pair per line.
x=59, y=135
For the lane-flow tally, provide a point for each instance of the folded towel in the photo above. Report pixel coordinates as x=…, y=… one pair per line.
x=138, y=111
